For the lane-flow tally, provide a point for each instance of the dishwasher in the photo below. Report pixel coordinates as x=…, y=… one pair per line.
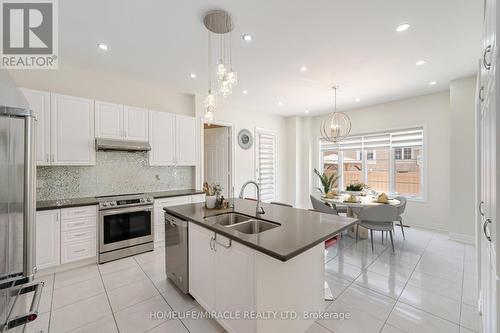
x=176, y=251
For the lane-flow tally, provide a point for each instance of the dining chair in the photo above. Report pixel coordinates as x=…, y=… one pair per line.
x=280, y=204
x=401, y=209
x=321, y=206
x=378, y=218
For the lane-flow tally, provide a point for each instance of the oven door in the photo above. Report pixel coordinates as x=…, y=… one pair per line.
x=124, y=227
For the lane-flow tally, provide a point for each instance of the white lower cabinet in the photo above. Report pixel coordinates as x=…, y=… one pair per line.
x=78, y=233
x=159, y=213
x=221, y=276
x=201, y=266
x=65, y=235
x=48, y=238
x=230, y=278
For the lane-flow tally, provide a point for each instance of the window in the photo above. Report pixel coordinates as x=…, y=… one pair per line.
x=390, y=162
x=266, y=164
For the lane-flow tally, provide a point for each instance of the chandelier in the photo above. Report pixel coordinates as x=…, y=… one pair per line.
x=337, y=125
x=219, y=22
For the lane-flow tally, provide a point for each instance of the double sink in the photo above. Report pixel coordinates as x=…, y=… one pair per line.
x=242, y=223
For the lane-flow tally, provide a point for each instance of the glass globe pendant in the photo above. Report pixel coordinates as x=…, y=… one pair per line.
x=337, y=126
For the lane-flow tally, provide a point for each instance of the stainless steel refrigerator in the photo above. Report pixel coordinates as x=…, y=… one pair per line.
x=19, y=294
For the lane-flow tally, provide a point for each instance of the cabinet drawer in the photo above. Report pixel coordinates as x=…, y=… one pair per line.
x=79, y=223
x=198, y=198
x=76, y=212
x=78, y=250
x=78, y=235
x=165, y=202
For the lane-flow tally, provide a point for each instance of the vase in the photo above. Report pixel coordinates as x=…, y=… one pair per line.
x=210, y=201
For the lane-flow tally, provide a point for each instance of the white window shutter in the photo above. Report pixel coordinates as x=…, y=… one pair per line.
x=266, y=164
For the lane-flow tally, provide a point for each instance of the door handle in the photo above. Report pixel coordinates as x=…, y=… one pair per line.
x=485, y=227
x=481, y=208
x=486, y=64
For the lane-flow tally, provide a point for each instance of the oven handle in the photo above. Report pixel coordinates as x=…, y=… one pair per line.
x=125, y=210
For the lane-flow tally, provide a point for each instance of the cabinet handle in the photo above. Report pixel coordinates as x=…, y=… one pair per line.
x=485, y=228
x=79, y=211
x=481, y=94
x=80, y=234
x=481, y=208
x=78, y=251
x=47, y=158
x=226, y=246
x=79, y=223
x=486, y=64
x=211, y=244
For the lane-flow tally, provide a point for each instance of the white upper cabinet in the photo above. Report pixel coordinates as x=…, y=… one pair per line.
x=135, y=123
x=185, y=140
x=161, y=138
x=116, y=121
x=109, y=120
x=172, y=138
x=39, y=102
x=72, y=130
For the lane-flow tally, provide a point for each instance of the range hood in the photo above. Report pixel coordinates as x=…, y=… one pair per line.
x=110, y=144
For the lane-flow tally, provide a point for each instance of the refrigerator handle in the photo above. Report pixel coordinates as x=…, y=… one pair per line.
x=29, y=198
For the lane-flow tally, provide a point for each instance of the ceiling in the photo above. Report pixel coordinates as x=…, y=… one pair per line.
x=352, y=44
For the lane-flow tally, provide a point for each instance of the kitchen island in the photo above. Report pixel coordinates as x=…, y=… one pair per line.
x=265, y=278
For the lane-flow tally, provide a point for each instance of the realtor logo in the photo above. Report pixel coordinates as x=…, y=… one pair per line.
x=29, y=34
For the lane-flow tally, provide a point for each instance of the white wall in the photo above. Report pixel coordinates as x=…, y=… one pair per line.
x=106, y=87
x=462, y=152
x=432, y=112
x=244, y=160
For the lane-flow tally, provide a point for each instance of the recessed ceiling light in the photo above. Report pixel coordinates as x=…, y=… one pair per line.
x=102, y=46
x=303, y=68
x=433, y=83
x=307, y=111
x=280, y=103
x=358, y=100
x=247, y=37
x=420, y=62
x=244, y=92
x=192, y=75
x=402, y=27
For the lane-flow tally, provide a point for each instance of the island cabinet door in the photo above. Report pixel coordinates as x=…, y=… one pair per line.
x=201, y=266
x=234, y=284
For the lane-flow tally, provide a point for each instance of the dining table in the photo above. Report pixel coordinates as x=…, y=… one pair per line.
x=354, y=207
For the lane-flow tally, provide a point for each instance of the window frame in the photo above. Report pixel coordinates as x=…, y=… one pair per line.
x=423, y=168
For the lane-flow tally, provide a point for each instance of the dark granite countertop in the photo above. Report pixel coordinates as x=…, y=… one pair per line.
x=300, y=229
x=88, y=201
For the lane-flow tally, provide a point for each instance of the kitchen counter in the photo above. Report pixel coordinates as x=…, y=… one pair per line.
x=89, y=201
x=300, y=229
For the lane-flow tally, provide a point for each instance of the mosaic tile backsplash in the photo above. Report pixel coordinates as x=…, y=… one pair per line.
x=114, y=173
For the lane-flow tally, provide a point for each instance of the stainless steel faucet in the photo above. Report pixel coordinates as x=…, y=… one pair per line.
x=258, y=210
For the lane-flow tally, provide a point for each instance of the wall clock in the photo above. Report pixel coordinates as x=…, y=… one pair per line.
x=245, y=139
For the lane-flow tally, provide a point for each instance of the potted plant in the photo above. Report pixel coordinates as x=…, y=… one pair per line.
x=212, y=193
x=328, y=183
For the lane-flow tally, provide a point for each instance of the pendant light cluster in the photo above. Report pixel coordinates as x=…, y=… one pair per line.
x=219, y=22
x=337, y=126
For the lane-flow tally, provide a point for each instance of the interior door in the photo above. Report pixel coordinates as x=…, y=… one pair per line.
x=488, y=206
x=217, y=157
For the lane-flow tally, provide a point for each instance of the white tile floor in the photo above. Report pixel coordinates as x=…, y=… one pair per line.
x=428, y=285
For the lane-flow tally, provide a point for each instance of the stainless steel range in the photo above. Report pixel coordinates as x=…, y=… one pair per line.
x=125, y=226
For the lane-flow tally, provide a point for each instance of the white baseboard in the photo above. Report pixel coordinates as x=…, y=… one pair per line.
x=66, y=267
x=433, y=226
x=463, y=238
